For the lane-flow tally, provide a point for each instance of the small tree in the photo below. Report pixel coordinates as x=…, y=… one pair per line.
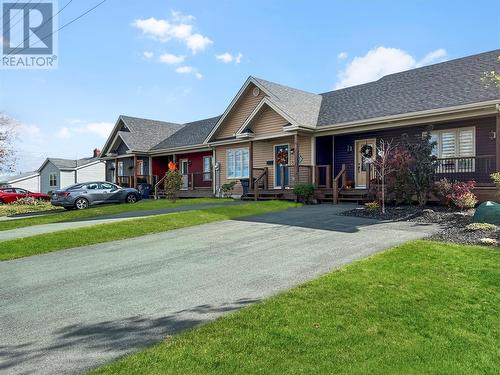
x=7, y=151
x=399, y=182
x=173, y=182
x=383, y=166
x=304, y=192
x=492, y=78
x=423, y=164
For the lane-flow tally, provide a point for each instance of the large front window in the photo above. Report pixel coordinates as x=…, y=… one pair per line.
x=120, y=169
x=238, y=163
x=456, y=149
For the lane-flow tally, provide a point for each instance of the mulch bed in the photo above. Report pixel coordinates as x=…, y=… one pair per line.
x=452, y=222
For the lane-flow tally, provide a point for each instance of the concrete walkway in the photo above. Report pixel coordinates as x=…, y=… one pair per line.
x=66, y=312
x=80, y=223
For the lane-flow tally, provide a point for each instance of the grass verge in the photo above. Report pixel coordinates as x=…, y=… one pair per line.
x=99, y=233
x=424, y=307
x=105, y=210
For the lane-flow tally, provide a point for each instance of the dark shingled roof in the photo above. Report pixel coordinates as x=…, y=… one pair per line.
x=446, y=84
x=145, y=133
x=71, y=163
x=192, y=133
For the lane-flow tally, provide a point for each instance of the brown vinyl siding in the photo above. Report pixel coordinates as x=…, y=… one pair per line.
x=239, y=113
x=268, y=122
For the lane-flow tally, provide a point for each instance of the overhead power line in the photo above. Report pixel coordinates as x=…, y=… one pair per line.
x=46, y=22
x=65, y=25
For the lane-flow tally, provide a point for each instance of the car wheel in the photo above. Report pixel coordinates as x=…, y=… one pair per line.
x=131, y=198
x=81, y=204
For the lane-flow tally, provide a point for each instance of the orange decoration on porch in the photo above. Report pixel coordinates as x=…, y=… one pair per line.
x=172, y=167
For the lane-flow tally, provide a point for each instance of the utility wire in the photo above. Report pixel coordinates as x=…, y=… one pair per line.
x=65, y=25
x=22, y=14
x=46, y=22
x=5, y=13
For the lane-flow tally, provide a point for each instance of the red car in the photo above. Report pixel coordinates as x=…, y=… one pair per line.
x=11, y=194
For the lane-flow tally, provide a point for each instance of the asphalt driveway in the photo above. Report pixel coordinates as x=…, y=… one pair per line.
x=68, y=311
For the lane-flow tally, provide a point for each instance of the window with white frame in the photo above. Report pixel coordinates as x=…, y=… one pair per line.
x=52, y=180
x=456, y=149
x=238, y=163
x=120, y=169
x=207, y=168
x=140, y=167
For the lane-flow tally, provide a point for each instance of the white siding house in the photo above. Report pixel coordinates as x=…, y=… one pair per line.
x=29, y=181
x=59, y=173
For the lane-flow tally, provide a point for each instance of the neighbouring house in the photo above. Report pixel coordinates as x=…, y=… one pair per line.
x=272, y=137
x=59, y=173
x=56, y=173
x=126, y=151
x=29, y=181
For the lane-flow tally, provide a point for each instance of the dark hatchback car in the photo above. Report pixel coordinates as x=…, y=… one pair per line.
x=82, y=196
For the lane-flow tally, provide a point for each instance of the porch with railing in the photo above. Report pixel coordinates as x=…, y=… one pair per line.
x=132, y=181
x=195, y=184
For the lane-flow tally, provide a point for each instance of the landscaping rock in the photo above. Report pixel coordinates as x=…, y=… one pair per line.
x=488, y=212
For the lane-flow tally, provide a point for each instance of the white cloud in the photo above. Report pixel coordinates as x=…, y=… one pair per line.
x=101, y=129
x=148, y=55
x=433, y=57
x=197, y=42
x=342, y=55
x=171, y=59
x=181, y=17
x=189, y=70
x=228, y=57
x=179, y=28
x=382, y=61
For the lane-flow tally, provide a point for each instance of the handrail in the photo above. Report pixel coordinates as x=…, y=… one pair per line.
x=257, y=180
x=341, y=174
x=158, y=184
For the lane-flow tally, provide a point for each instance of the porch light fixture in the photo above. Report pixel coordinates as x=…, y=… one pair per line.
x=492, y=135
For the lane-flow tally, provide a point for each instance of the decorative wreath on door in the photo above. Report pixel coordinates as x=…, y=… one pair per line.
x=367, y=151
x=282, y=157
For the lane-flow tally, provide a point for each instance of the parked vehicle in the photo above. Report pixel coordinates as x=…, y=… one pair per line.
x=82, y=196
x=12, y=194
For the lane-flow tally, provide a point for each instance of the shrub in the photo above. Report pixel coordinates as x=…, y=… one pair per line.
x=227, y=189
x=422, y=164
x=372, y=206
x=481, y=226
x=399, y=184
x=444, y=190
x=462, y=195
x=496, y=180
x=304, y=192
x=173, y=184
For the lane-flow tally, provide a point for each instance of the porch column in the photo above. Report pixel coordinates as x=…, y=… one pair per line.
x=135, y=172
x=250, y=165
x=116, y=171
x=297, y=158
x=150, y=170
x=497, y=139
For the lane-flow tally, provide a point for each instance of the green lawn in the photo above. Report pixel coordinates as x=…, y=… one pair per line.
x=44, y=243
x=105, y=210
x=421, y=308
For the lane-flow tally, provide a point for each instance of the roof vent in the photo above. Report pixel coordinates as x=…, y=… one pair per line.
x=256, y=91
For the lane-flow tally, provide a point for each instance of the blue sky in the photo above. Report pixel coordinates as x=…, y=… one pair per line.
x=185, y=60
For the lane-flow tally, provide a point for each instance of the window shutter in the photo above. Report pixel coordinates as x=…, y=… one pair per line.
x=466, y=142
x=448, y=144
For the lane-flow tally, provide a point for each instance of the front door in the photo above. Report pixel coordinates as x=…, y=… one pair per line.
x=281, y=156
x=365, y=152
x=184, y=169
